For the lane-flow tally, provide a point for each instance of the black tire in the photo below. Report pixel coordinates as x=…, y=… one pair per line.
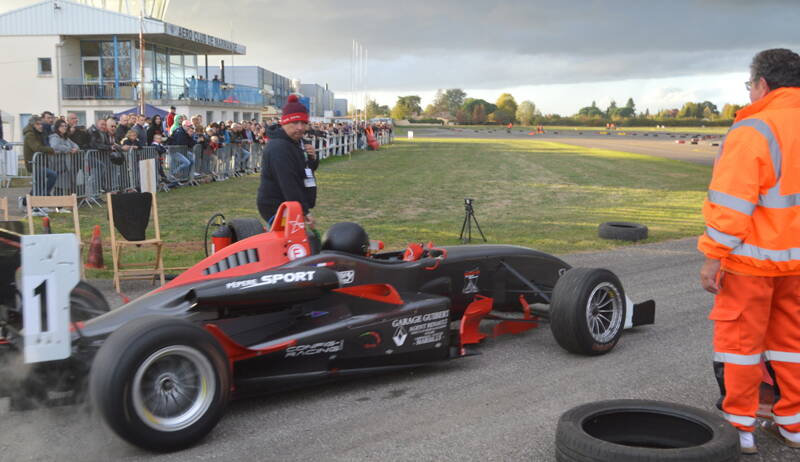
x=623, y=231
x=120, y=372
x=577, y=291
x=629, y=430
x=242, y=228
x=86, y=302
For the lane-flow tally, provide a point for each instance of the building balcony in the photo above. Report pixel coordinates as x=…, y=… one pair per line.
x=199, y=91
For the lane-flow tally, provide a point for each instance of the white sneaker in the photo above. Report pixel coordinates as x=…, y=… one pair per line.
x=63, y=210
x=37, y=212
x=747, y=443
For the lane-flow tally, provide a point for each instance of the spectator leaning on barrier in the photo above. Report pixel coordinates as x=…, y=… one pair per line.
x=32, y=143
x=155, y=128
x=751, y=241
x=183, y=136
x=77, y=133
x=287, y=170
x=66, y=165
x=122, y=127
x=139, y=128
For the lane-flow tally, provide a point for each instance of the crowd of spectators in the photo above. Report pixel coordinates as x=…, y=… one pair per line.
x=49, y=134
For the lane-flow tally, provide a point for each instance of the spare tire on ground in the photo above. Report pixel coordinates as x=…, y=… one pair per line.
x=628, y=430
x=622, y=230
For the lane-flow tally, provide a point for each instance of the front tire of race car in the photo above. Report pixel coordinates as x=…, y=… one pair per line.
x=587, y=311
x=160, y=383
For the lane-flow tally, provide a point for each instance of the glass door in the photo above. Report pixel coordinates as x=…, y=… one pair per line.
x=91, y=70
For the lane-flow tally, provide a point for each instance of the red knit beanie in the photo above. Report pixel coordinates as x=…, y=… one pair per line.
x=294, y=111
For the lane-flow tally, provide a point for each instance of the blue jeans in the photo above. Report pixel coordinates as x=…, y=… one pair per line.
x=50, y=182
x=184, y=162
x=243, y=158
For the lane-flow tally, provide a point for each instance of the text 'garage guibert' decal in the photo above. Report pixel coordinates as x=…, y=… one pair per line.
x=269, y=279
x=421, y=329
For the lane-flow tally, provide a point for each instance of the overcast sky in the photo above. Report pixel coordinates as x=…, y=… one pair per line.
x=560, y=55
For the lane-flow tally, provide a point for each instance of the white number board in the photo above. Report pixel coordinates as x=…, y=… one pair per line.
x=50, y=270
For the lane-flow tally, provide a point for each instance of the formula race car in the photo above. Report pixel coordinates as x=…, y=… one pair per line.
x=271, y=312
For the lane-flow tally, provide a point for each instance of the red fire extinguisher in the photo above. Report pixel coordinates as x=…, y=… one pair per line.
x=221, y=237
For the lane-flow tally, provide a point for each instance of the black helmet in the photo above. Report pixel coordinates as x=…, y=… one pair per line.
x=346, y=237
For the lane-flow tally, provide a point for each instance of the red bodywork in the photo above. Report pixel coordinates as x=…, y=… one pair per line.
x=285, y=241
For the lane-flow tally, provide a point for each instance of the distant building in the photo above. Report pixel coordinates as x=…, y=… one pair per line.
x=340, y=107
x=64, y=57
x=321, y=99
x=275, y=87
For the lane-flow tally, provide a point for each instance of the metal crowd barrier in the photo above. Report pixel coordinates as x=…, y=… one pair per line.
x=12, y=165
x=89, y=174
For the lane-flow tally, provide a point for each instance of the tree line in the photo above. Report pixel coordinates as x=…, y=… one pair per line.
x=453, y=105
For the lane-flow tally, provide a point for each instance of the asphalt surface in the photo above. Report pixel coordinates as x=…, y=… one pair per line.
x=659, y=144
x=502, y=405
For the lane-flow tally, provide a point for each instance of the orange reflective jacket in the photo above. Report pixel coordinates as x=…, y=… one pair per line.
x=752, y=211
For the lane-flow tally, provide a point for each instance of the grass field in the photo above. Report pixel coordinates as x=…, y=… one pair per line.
x=693, y=130
x=539, y=194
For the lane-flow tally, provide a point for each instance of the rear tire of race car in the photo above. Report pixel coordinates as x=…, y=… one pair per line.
x=627, y=430
x=242, y=228
x=159, y=358
x=622, y=231
x=587, y=311
x=86, y=302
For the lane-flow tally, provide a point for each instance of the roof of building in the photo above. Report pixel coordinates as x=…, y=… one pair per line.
x=64, y=17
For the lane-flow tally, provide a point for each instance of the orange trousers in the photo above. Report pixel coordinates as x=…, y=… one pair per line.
x=758, y=317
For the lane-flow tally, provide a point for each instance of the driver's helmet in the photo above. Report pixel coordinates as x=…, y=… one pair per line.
x=346, y=237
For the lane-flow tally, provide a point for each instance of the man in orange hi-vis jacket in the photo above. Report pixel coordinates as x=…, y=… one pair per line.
x=752, y=248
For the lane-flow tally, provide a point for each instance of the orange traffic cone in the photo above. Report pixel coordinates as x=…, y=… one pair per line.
x=46, y=225
x=95, y=257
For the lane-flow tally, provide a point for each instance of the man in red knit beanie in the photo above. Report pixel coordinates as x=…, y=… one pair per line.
x=287, y=172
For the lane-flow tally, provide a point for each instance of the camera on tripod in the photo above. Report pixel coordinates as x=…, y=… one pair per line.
x=469, y=217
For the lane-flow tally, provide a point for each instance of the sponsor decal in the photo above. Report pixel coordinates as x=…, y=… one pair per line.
x=311, y=349
x=346, y=277
x=421, y=318
x=421, y=329
x=471, y=281
x=297, y=224
x=269, y=279
x=327, y=263
x=370, y=339
x=296, y=251
x=400, y=336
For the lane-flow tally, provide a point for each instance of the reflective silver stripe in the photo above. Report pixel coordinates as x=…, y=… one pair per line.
x=741, y=360
x=786, y=419
x=766, y=132
x=749, y=250
x=722, y=238
x=774, y=200
x=731, y=202
x=740, y=419
x=783, y=356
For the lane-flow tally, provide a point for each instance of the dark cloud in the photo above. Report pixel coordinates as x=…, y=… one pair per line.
x=479, y=44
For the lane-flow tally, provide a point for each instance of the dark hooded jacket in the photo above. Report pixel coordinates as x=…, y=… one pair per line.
x=283, y=174
x=32, y=144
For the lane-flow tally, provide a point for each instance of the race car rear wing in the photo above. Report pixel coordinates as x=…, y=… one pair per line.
x=47, y=272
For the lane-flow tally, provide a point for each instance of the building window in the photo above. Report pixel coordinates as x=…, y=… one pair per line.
x=236, y=116
x=24, y=119
x=246, y=116
x=45, y=66
x=81, y=117
x=209, y=117
x=99, y=115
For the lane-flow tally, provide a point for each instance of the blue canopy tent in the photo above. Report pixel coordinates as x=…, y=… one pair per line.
x=149, y=111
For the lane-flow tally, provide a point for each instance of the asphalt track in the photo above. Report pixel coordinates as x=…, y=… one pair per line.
x=499, y=406
x=659, y=144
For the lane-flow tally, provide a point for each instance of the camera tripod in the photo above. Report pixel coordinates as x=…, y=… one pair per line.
x=469, y=217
